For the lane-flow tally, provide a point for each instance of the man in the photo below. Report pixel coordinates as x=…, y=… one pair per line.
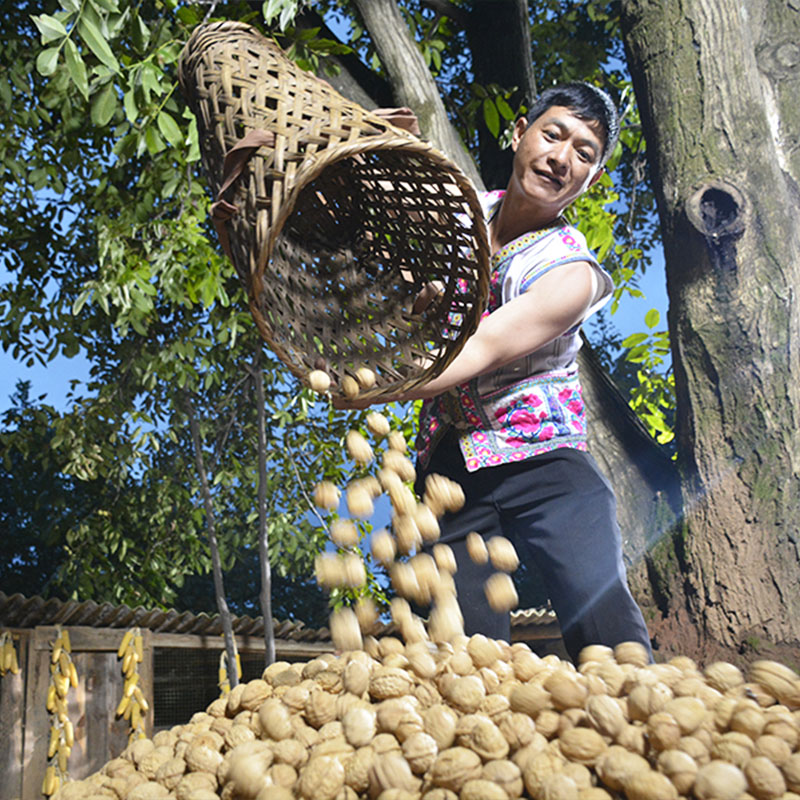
x=505, y=419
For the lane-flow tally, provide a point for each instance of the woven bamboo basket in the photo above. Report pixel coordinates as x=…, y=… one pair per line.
x=334, y=219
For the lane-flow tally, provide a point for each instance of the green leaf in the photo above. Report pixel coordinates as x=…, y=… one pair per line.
x=49, y=27
x=47, y=61
x=97, y=43
x=141, y=34
x=491, y=117
x=634, y=339
x=652, y=318
x=169, y=129
x=129, y=104
x=155, y=144
x=76, y=68
x=104, y=105
x=504, y=108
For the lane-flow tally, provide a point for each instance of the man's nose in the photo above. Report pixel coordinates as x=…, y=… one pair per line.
x=559, y=155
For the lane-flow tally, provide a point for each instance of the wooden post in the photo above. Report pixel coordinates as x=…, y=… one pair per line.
x=12, y=709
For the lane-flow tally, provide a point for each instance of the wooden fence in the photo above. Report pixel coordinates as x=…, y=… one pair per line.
x=99, y=734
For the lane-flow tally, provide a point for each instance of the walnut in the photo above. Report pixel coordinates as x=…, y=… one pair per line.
x=605, y=715
x=502, y=554
x=530, y=699
x=680, y=768
x=466, y=693
x=582, y=745
x=566, y=689
x=505, y=774
x=360, y=726
x=723, y=676
x=764, y=779
x=440, y=722
x=454, y=767
x=617, y=766
x=779, y=680
x=420, y=751
x=719, y=780
x=358, y=448
x=391, y=771
x=321, y=778
x=650, y=785
x=356, y=769
x=538, y=769
x=736, y=748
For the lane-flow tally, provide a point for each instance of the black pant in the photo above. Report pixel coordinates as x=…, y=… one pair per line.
x=558, y=509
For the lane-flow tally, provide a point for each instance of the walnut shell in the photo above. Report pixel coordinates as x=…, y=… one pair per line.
x=779, y=680
x=582, y=745
x=680, y=768
x=454, y=767
x=326, y=495
x=605, y=715
x=391, y=771
x=502, y=554
x=358, y=448
x=388, y=682
x=505, y=774
x=719, y=780
x=321, y=779
x=764, y=779
x=618, y=765
x=420, y=751
x=378, y=424
x=360, y=726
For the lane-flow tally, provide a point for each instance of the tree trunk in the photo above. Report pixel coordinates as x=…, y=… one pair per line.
x=265, y=595
x=216, y=564
x=411, y=79
x=717, y=82
x=499, y=36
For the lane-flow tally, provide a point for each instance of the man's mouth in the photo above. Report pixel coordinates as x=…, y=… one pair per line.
x=550, y=177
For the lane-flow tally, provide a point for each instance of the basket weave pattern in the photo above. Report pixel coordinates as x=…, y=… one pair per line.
x=339, y=218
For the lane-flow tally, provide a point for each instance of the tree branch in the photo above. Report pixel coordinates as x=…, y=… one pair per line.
x=411, y=80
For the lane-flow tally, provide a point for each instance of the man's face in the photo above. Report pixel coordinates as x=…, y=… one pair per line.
x=557, y=157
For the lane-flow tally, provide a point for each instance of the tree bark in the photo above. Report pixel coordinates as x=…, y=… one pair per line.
x=717, y=82
x=216, y=564
x=499, y=37
x=411, y=79
x=265, y=596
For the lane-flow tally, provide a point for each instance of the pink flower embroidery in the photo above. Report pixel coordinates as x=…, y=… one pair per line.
x=575, y=406
x=546, y=433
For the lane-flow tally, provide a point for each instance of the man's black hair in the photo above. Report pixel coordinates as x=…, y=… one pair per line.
x=586, y=102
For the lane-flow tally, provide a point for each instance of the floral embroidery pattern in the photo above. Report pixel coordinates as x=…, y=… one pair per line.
x=541, y=413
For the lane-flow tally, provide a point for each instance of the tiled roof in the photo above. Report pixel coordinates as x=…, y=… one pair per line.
x=18, y=611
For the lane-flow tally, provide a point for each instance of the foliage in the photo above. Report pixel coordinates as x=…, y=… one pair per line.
x=113, y=261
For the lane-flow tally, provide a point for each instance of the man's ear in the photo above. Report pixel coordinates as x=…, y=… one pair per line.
x=596, y=176
x=520, y=126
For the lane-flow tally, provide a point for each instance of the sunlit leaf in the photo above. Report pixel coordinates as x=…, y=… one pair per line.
x=76, y=68
x=97, y=43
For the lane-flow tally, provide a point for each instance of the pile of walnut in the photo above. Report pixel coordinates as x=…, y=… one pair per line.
x=476, y=719
x=442, y=716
